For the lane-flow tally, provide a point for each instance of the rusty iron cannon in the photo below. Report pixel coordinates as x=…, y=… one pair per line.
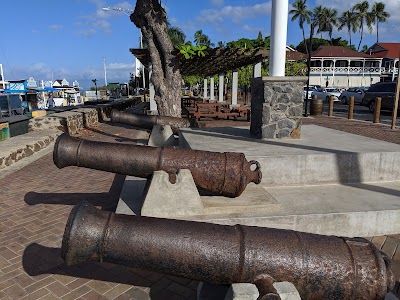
x=321, y=267
x=147, y=122
x=225, y=174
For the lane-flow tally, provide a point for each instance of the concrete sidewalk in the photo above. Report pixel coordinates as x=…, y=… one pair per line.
x=35, y=201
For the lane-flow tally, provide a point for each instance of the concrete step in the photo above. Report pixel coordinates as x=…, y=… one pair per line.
x=361, y=209
x=320, y=156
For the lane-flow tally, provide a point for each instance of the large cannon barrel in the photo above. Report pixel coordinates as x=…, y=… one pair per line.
x=147, y=122
x=321, y=267
x=224, y=174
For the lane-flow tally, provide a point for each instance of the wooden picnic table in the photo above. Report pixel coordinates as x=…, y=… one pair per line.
x=218, y=110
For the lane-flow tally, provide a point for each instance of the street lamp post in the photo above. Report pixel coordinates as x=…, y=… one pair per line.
x=128, y=12
x=309, y=68
x=95, y=84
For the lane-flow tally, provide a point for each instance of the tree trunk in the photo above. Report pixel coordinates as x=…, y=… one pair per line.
x=150, y=17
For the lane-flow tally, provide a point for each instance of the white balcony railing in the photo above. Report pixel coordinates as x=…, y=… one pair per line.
x=348, y=70
x=390, y=71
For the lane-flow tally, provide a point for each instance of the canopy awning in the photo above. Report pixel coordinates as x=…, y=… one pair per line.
x=51, y=89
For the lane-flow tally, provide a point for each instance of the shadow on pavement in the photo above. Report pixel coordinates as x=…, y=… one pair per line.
x=106, y=201
x=40, y=261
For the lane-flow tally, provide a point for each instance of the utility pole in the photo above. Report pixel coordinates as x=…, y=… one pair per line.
x=105, y=73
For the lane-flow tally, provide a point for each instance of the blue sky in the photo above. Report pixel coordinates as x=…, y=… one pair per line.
x=69, y=39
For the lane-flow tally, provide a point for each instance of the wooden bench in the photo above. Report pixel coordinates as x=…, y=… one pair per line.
x=218, y=110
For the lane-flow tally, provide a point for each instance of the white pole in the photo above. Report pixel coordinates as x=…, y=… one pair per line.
x=205, y=89
x=105, y=72
x=221, y=88
x=234, y=86
x=44, y=100
x=279, y=21
x=2, y=76
x=153, y=103
x=212, y=89
x=257, y=70
x=141, y=47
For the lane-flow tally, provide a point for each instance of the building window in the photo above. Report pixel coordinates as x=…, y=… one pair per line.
x=315, y=63
x=341, y=63
x=356, y=64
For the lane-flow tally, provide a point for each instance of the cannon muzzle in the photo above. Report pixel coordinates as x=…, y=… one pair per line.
x=321, y=267
x=225, y=174
x=147, y=122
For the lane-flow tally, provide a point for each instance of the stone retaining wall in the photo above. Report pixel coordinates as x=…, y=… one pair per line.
x=22, y=146
x=277, y=107
x=90, y=116
x=68, y=121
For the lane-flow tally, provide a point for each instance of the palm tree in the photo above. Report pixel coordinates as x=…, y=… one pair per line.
x=176, y=35
x=202, y=39
x=348, y=19
x=300, y=12
x=363, y=17
x=199, y=37
x=380, y=15
x=317, y=18
x=329, y=17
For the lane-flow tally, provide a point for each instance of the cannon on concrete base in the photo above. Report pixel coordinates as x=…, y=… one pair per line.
x=321, y=267
x=225, y=174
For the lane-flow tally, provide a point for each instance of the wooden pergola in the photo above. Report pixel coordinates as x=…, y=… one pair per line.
x=216, y=61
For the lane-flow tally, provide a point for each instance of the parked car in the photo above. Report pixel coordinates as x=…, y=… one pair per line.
x=357, y=92
x=325, y=93
x=385, y=90
x=311, y=88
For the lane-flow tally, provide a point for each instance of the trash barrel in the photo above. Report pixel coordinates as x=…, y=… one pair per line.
x=316, y=107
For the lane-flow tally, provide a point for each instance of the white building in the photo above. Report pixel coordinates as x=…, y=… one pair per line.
x=341, y=67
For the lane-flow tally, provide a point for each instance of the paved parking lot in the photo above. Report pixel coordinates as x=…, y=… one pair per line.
x=361, y=113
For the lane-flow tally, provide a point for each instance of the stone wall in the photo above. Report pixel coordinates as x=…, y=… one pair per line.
x=17, y=148
x=67, y=121
x=90, y=116
x=277, y=107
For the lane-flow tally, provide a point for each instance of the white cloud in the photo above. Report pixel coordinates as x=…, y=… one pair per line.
x=234, y=13
x=87, y=32
x=97, y=21
x=217, y=2
x=56, y=27
x=120, y=66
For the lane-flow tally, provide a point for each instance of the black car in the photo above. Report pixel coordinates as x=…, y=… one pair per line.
x=385, y=90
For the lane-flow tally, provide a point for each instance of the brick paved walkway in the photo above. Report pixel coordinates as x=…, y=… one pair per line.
x=36, y=200
x=34, y=206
